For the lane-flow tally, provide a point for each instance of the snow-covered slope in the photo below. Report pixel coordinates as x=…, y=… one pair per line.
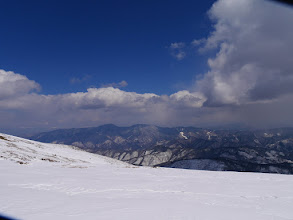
x=23, y=151
x=48, y=181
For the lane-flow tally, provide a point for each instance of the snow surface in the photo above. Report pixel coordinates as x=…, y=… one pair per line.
x=182, y=135
x=60, y=182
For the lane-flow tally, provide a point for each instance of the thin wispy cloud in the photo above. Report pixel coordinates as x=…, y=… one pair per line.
x=121, y=84
x=197, y=42
x=177, y=50
x=76, y=80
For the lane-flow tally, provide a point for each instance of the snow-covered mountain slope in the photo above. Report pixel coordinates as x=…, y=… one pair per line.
x=34, y=153
x=48, y=181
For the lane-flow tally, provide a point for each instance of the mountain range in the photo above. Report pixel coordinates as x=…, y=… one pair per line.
x=269, y=151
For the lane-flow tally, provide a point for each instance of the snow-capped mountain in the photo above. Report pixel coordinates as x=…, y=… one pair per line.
x=50, y=181
x=268, y=151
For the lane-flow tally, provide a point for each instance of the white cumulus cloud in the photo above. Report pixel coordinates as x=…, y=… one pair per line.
x=13, y=84
x=254, y=58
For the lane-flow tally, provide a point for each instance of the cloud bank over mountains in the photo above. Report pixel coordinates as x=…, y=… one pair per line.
x=250, y=81
x=95, y=106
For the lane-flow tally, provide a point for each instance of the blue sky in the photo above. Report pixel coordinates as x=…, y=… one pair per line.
x=220, y=63
x=102, y=42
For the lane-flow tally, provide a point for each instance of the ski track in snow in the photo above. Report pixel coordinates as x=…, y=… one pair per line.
x=60, y=182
